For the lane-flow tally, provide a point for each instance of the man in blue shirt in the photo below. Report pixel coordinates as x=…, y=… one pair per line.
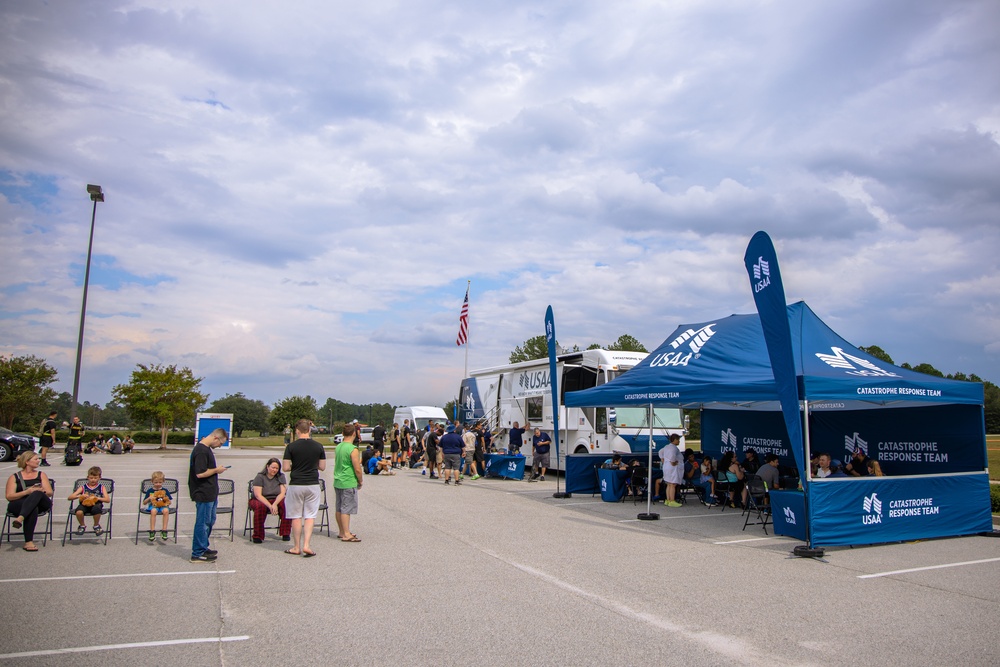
x=515, y=439
x=540, y=444
x=451, y=445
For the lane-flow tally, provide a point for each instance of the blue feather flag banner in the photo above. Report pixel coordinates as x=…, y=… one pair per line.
x=550, y=339
x=761, y=262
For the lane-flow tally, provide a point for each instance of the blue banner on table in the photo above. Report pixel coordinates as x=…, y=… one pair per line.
x=550, y=339
x=883, y=509
x=504, y=465
x=612, y=484
x=788, y=514
x=769, y=295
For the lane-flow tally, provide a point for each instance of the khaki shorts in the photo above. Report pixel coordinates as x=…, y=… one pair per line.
x=302, y=502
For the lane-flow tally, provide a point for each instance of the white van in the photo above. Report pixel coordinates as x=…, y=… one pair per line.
x=419, y=416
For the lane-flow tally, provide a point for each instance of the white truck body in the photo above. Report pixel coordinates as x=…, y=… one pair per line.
x=522, y=393
x=419, y=415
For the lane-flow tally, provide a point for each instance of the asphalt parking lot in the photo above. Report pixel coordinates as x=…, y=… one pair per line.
x=492, y=572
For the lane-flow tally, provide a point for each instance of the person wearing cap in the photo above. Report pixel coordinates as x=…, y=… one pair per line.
x=858, y=465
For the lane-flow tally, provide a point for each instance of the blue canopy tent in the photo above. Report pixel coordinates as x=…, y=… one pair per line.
x=943, y=488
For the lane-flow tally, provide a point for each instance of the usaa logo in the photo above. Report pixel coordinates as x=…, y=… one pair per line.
x=853, y=443
x=873, y=510
x=853, y=365
x=692, y=340
x=789, y=516
x=762, y=274
x=728, y=440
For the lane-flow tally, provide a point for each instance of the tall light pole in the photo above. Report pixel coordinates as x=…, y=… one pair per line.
x=96, y=195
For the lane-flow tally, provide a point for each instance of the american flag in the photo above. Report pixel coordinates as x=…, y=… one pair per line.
x=463, y=321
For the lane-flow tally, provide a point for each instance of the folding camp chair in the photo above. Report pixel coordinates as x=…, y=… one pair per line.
x=8, y=520
x=636, y=484
x=248, y=522
x=172, y=486
x=227, y=492
x=722, y=488
x=324, y=509
x=757, y=503
x=109, y=488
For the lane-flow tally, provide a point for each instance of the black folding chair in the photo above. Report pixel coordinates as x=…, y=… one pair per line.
x=108, y=511
x=722, y=487
x=172, y=486
x=636, y=484
x=8, y=520
x=757, y=503
x=227, y=491
x=248, y=522
x=324, y=509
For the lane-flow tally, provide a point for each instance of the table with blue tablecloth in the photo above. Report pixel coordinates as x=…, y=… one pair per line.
x=612, y=483
x=505, y=465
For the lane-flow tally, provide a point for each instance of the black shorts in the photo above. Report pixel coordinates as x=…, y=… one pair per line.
x=96, y=509
x=45, y=441
x=394, y=448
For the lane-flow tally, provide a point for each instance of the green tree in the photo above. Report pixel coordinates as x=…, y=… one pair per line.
x=627, y=343
x=535, y=347
x=24, y=390
x=248, y=413
x=928, y=370
x=161, y=393
x=991, y=405
x=878, y=353
x=115, y=414
x=290, y=410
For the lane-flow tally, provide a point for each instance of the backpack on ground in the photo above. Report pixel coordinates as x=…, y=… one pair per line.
x=72, y=457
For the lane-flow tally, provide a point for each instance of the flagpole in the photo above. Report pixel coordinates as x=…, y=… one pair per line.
x=468, y=287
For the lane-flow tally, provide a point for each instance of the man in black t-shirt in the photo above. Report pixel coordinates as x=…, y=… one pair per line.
x=48, y=435
x=515, y=439
x=378, y=438
x=76, y=433
x=303, y=460
x=203, y=485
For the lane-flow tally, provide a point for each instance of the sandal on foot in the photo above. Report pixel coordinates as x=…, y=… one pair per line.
x=32, y=549
x=352, y=538
x=308, y=554
x=18, y=522
x=292, y=553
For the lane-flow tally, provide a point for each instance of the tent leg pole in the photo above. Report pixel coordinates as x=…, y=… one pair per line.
x=649, y=515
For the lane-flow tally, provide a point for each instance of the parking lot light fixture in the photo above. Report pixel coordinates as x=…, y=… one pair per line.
x=96, y=195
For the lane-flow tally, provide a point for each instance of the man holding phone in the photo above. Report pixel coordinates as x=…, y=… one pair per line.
x=203, y=484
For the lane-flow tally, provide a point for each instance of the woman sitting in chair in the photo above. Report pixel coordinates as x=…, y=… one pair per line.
x=28, y=492
x=269, y=488
x=733, y=471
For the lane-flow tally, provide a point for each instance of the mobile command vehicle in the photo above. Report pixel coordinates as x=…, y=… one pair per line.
x=522, y=392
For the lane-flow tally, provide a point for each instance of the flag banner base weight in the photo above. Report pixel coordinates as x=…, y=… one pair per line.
x=562, y=494
x=648, y=516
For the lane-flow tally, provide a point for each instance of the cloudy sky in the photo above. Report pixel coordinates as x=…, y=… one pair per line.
x=297, y=193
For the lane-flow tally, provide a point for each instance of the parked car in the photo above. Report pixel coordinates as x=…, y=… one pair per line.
x=12, y=444
x=366, y=435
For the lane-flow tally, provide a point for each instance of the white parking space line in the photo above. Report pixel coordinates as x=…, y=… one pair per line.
x=929, y=567
x=592, y=502
x=116, y=647
x=118, y=576
x=751, y=539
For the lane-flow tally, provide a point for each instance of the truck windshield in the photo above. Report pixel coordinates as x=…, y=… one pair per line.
x=636, y=417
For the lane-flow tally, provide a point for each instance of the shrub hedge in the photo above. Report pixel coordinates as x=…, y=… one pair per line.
x=141, y=437
x=995, y=497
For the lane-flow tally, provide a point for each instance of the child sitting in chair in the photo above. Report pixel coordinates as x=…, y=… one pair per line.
x=92, y=496
x=156, y=500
